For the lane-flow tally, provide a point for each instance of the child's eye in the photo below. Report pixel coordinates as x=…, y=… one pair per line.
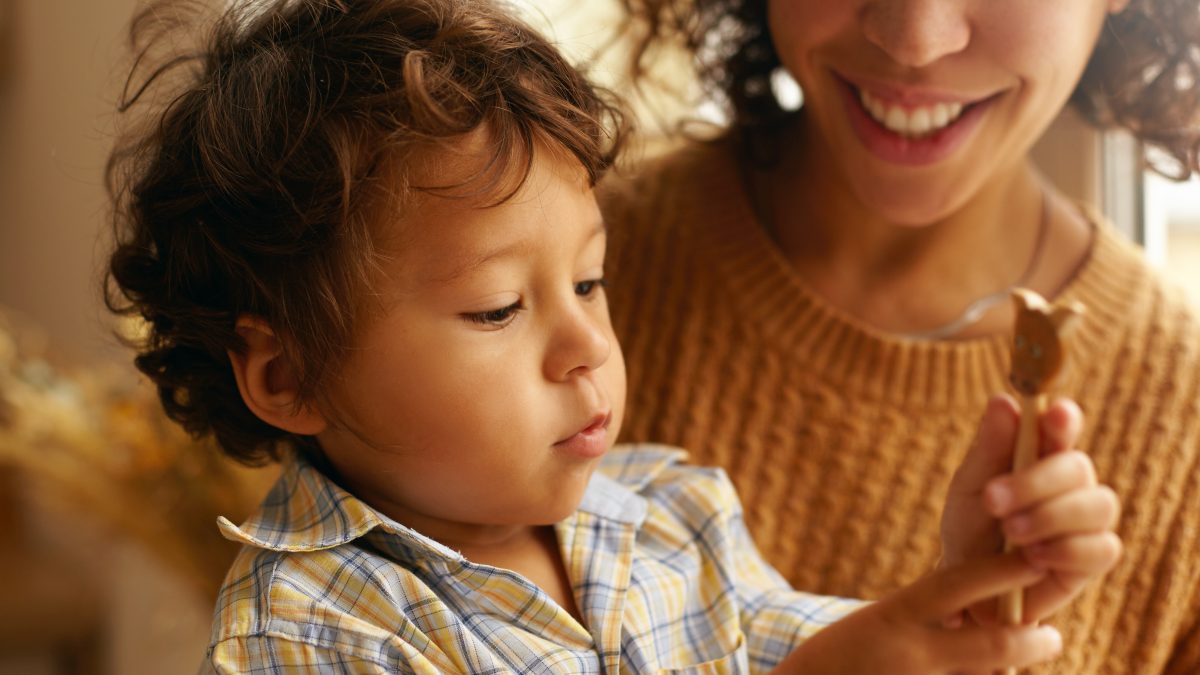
x=495, y=317
x=586, y=288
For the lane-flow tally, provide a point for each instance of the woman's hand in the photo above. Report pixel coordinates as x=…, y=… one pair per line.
x=1055, y=512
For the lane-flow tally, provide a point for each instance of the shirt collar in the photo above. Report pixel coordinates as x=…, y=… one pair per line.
x=306, y=511
x=614, y=490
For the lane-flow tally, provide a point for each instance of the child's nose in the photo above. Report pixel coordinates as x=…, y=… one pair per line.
x=916, y=33
x=581, y=343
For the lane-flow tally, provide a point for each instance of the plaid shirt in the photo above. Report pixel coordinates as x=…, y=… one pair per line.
x=663, y=569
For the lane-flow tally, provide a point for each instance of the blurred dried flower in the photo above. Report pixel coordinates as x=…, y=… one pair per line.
x=97, y=442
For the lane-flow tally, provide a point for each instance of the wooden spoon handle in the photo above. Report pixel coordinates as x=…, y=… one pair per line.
x=1012, y=604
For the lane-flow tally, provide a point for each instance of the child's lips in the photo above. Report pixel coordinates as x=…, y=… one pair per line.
x=590, y=441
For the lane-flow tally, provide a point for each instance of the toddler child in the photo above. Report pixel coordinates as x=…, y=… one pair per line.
x=364, y=239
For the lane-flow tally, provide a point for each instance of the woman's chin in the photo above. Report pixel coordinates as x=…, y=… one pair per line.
x=909, y=207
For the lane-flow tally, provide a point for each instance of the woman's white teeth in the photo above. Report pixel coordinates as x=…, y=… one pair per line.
x=914, y=122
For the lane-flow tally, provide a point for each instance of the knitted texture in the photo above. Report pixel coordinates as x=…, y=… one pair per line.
x=842, y=439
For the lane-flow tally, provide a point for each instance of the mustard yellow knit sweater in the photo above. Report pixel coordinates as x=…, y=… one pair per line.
x=842, y=439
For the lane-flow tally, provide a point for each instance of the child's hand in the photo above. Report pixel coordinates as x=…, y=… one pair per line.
x=1054, y=511
x=907, y=632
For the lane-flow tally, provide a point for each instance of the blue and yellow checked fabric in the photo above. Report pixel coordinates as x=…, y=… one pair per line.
x=663, y=569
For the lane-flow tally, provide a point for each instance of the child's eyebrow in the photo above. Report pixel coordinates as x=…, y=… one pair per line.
x=513, y=249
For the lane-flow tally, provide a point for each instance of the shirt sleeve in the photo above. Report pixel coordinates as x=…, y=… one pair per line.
x=273, y=654
x=775, y=617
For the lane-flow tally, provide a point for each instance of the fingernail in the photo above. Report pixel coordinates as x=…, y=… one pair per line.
x=998, y=497
x=1052, y=636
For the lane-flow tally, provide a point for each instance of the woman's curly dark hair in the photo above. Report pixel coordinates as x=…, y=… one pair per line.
x=251, y=187
x=1144, y=75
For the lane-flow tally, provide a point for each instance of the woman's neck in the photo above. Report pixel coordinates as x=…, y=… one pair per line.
x=906, y=278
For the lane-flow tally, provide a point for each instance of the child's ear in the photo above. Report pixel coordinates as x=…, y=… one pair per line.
x=267, y=382
x=1117, y=6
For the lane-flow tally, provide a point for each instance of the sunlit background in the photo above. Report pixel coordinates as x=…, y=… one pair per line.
x=108, y=552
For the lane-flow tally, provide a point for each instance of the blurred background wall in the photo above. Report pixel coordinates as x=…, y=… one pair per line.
x=55, y=112
x=109, y=599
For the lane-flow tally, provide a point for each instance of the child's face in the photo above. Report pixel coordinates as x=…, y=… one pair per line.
x=491, y=383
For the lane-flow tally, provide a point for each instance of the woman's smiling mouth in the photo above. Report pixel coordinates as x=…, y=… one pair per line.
x=908, y=128
x=912, y=122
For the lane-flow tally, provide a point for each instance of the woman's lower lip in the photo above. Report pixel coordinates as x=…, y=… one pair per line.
x=898, y=149
x=587, y=444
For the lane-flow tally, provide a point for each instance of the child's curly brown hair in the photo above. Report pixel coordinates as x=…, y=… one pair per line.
x=252, y=189
x=1144, y=75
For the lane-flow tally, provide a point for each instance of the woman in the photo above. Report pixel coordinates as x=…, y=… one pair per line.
x=818, y=300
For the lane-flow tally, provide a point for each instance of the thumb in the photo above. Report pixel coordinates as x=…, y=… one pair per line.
x=991, y=453
x=1060, y=426
x=967, y=528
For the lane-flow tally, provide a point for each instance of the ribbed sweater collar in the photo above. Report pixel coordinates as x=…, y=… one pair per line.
x=847, y=353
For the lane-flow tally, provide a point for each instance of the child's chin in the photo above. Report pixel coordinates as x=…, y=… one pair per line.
x=562, y=507
x=562, y=499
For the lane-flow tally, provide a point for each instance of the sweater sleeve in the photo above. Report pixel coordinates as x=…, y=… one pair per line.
x=1186, y=658
x=1185, y=655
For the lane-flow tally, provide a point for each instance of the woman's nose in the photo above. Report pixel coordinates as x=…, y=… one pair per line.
x=916, y=33
x=582, y=342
